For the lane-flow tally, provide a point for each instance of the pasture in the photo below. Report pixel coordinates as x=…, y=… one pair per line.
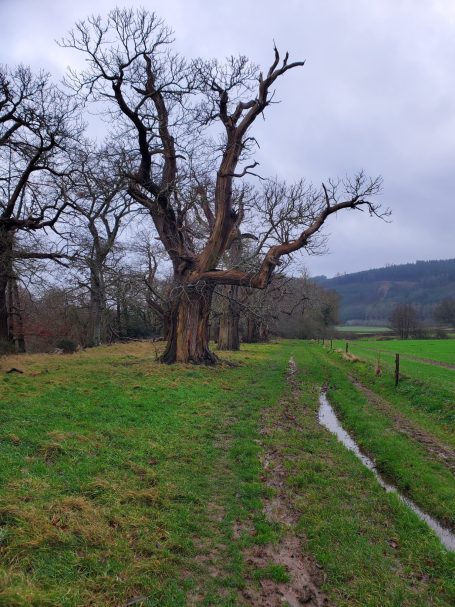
x=430, y=350
x=128, y=482
x=362, y=329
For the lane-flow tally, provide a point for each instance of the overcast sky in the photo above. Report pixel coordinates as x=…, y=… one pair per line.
x=377, y=92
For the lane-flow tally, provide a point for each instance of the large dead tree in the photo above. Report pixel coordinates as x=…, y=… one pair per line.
x=37, y=125
x=168, y=109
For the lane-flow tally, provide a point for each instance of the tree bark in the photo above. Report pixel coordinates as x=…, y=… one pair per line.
x=256, y=331
x=97, y=308
x=5, y=274
x=263, y=332
x=229, y=330
x=188, y=337
x=4, y=332
x=18, y=323
x=15, y=323
x=118, y=313
x=251, y=335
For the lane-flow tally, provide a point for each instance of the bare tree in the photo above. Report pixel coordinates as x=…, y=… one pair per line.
x=169, y=109
x=15, y=315
x=159, y=289
x=404, y=320
x=445, y=312
x=38, y=125
x=306, y=310
x=101, y=209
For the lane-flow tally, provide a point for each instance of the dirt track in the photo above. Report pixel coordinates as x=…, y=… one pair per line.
x=431, y=444
x=430, y=361
x=305, y=575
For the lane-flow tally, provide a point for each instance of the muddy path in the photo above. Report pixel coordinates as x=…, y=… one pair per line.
x=401, y=423
x=305, y=575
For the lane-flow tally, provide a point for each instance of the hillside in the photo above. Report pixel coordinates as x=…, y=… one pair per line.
x=371, y=295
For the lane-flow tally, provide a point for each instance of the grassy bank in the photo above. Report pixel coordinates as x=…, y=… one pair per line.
x=426, y=393
x=374, y=550
x=399, y=457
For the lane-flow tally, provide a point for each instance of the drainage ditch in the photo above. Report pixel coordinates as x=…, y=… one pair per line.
x=329, y=420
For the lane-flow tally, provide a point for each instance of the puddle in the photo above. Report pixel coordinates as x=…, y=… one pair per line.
x=329, y=420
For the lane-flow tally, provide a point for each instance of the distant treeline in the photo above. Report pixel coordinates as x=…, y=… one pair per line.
x=372, y=294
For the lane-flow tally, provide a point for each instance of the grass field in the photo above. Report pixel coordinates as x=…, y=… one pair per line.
x=123, y=481
x=426, y=390
x=439, y=350
x=362, y=329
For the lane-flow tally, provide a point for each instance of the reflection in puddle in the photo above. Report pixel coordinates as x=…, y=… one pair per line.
x=329, y=420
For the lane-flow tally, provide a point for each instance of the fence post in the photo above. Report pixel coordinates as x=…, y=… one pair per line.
x=347, y=347
x=331, y=347
x=397, y=369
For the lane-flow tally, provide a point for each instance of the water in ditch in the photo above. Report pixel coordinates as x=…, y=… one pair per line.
x=329, y=420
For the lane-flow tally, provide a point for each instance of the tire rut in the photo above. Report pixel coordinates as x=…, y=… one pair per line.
x=432, y=445
x=431, y=361
x=305, y=575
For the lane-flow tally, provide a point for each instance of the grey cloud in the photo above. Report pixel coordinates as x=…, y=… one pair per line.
x=377, y=93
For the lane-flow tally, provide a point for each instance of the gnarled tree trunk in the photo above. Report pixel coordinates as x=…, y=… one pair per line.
x=229, y=331
x=188, y=336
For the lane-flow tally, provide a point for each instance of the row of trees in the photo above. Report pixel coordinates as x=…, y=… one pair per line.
x=405, y=320
x=444, y=313
x=178, y=158
x=63, y=316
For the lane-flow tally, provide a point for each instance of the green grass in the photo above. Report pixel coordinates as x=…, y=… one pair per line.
x=398, y=457
x=108, y=463
x=425, y=393
x=277, y=573
x=122, y=478
x=442, y=350
x=374, y=551
x=362, y=329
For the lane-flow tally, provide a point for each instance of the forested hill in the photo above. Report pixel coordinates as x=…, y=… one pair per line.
x=372, y=294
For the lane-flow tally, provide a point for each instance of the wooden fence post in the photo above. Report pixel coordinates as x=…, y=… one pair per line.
x=331, y=347
x=347, y=347
x=397, y=369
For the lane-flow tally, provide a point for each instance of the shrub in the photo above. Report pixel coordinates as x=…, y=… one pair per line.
x=441, y=333
x=67, y=345
x=6, y=347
